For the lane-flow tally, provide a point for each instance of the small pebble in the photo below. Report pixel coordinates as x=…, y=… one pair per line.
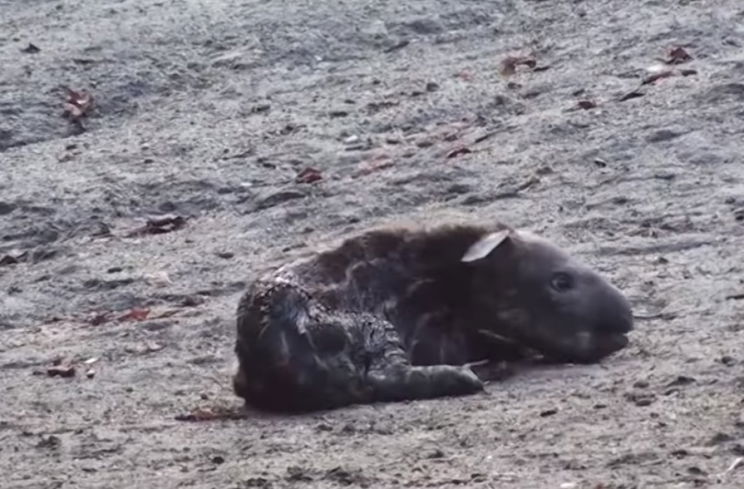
x=641, y=399
x=681, y=380
x=728, y=361
x=719, y=438
x=696, y=470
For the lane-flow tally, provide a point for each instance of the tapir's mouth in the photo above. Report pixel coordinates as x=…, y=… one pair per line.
x=612, y=342
x=587, y=349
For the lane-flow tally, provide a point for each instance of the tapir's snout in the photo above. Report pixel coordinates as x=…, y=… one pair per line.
x=615, y=313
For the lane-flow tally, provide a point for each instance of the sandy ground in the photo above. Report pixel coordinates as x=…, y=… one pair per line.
x=209, y=110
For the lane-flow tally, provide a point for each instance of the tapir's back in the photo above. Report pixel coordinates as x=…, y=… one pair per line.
x=382, y=268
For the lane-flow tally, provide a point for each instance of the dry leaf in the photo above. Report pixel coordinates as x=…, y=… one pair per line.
x=61, y=371
x=678, y=55
x=77, y=104
x=99, y=319
x=160, y=225
x=309, y=175
x=136, y=314
x=379, y=162
x=458, y=151
x=510, y=64
x=586, y=104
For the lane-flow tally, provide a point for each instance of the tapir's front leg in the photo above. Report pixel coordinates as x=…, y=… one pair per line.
x=391, y=377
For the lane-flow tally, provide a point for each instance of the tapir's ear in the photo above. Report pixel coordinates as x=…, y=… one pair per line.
x=484, y=246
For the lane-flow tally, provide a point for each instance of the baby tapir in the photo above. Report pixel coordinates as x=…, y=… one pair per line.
x=398, y=314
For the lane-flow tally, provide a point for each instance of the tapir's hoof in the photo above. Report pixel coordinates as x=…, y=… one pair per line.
x=458, y=381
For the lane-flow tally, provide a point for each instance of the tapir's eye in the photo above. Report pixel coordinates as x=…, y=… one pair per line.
x=561, y=281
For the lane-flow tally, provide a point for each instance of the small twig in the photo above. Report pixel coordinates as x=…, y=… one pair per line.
x=734, y=465
x=660, y=315
x=497, y=337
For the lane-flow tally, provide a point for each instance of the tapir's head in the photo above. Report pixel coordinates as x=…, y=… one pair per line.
x=530, y=291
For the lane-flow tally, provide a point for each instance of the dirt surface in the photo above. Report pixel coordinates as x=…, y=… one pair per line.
x=211, y=110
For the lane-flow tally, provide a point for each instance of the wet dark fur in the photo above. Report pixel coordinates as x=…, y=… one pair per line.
x=387, y=316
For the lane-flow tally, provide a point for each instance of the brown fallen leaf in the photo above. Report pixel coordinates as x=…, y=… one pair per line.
x=379, y=162
x=77, y=104
x=99, y=319
x=458, y=151
x=136, y=314
x=160, y=225
x=510, y=64
x=309, y=175
x=61, y=371
x=586, y=104
x=678, y=55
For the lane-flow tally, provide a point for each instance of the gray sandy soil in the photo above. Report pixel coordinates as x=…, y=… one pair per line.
x=209, y=110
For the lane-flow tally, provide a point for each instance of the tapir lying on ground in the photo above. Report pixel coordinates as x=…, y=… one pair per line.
x=399, y=314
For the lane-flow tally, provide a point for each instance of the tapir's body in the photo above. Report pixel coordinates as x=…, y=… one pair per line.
x=396, y=314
